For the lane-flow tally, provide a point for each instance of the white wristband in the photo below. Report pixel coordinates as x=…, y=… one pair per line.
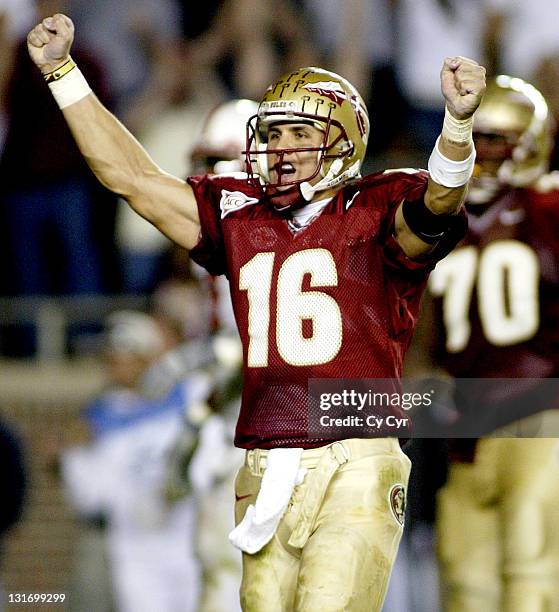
x=450, y=173
x=71, y=88
x=457, y=130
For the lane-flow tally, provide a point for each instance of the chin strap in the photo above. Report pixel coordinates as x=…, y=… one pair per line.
x=286, y=200
x=510, y=174
x=299, y=195
x=308, y=190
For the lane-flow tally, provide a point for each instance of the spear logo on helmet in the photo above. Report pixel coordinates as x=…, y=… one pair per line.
x=329, y=89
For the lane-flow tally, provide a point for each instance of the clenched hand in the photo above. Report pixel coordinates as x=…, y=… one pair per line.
x=462, y=85
x=49, y=42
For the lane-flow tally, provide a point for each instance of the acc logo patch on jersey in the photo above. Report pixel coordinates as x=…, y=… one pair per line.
x=397, y=500
x=234, y=200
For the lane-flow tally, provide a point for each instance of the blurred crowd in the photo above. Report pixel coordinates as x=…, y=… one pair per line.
x=150, y=474
x=162, y=66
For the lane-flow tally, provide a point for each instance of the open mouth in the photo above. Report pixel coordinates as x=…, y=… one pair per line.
x=284, y=168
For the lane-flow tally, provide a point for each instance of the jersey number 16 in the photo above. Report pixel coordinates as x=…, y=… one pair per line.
x=293, y=306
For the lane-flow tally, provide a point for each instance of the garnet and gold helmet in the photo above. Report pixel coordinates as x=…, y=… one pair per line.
x=329, y=103
x=515, y=113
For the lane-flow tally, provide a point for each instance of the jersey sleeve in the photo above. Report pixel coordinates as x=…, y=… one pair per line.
x=411, y=187
x=404, y=186
x=209, y=252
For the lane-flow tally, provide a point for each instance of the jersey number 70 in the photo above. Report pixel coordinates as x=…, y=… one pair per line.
x=506, y=276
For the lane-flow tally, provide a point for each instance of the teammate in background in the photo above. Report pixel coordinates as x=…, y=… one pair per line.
x=326, y=271
x=119, y=475
x=210, y=471
x=219, y=150
x=496, y=302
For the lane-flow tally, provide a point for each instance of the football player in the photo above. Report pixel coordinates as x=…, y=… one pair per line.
x=496, y=302
x=326, y=271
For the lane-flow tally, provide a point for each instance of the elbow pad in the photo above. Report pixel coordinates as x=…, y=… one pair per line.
x=426, y=224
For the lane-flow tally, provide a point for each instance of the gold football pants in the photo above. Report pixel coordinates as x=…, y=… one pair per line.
x=336, y=544
x=498, y=528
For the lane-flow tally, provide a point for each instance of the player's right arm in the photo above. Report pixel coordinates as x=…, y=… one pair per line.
x=115, y=156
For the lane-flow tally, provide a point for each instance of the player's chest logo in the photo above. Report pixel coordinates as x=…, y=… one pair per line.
x=234, y=200
x=349, y=203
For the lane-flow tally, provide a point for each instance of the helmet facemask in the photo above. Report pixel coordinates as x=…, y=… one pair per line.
x=493, y=150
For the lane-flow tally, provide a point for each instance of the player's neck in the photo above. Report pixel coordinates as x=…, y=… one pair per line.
x=307, y=213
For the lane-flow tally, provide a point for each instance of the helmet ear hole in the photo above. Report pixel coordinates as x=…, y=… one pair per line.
x=345, y=146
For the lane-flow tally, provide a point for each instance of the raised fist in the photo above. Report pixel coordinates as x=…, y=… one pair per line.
x=49, y=42
x=463, y=85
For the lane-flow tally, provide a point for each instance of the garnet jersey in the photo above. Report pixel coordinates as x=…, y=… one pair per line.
x=496, y=293
x=335, y=299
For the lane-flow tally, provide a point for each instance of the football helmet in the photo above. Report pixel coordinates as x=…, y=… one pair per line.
x=134, y=332
x=326, y=101
x=222, y=140
x=513, y=133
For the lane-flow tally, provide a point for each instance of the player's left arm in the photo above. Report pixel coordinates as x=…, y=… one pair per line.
x=420, y=225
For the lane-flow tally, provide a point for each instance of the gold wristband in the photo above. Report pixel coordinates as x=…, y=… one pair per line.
x=61, y=71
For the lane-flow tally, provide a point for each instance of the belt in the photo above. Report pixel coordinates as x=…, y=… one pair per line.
x=355, y=448
x=323, y=462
